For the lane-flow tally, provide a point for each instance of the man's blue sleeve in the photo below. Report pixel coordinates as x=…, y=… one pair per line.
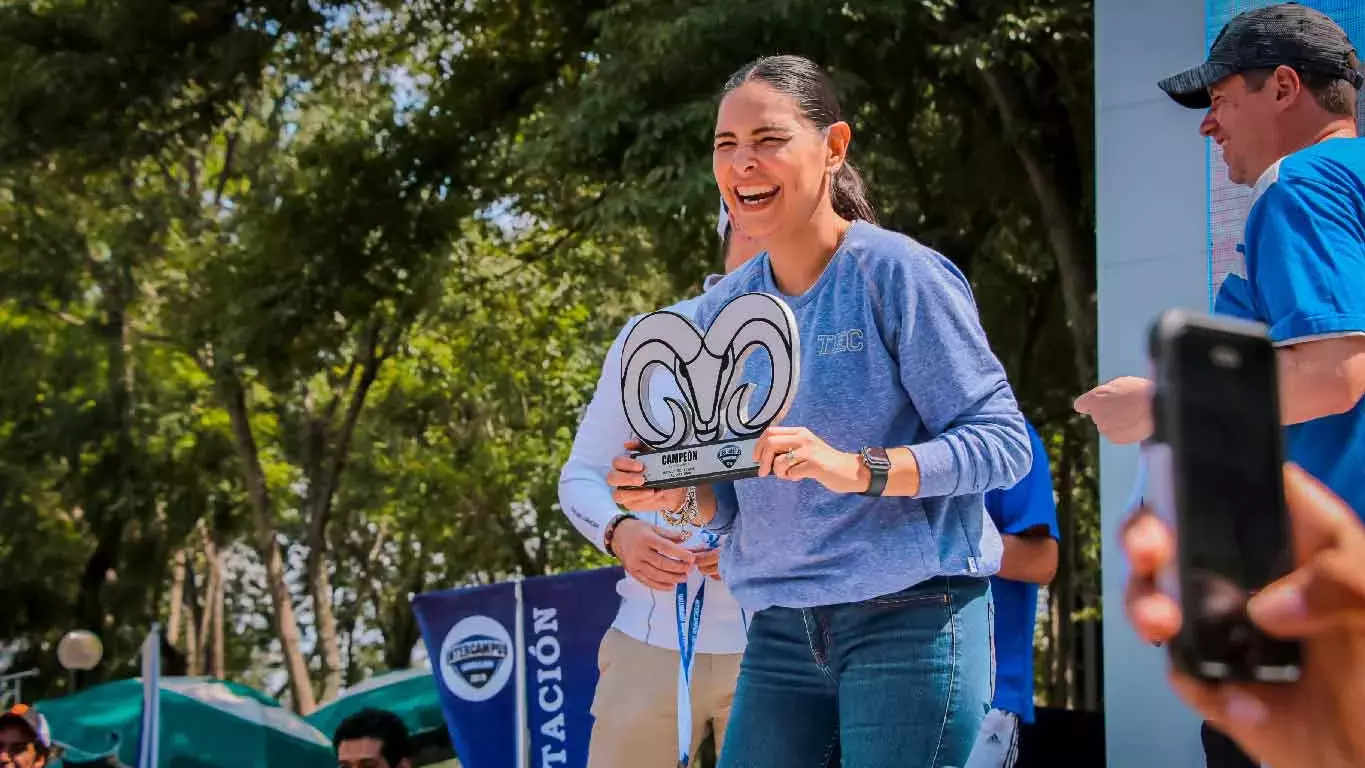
x=1234, y=299
x=1030, y=503
x=1306, y=261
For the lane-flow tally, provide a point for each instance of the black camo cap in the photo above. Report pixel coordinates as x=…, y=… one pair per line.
x=1288, y=34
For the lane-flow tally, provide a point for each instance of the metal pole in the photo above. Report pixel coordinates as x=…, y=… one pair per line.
x=519, y=671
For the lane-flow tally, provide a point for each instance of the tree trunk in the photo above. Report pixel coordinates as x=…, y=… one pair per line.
x=218, y=659
x=90, y=613
x=1063, y=233
x=213, y=586
x=177, y=599
x=110, y=516
x=364, y=592
x=322, y=486
x=1090, y=690
x=350, y=677
x=286, y=624
x=320, y=583
x=400, y=629
x=1065, y=586
x=194, y=650
x=325, y=624
x=1039, y=306
x=1048, y=659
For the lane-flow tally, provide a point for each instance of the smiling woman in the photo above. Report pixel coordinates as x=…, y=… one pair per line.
x=862, y=549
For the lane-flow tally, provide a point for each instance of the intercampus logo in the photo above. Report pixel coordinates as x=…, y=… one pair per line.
x=476, y=658
x=728, y=455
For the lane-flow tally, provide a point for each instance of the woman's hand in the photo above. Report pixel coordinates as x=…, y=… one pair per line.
x=626, y=477
x=795, y=453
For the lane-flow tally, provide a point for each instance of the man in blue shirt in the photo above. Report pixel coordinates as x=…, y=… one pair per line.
x=1026, y=515
x=1280, y=88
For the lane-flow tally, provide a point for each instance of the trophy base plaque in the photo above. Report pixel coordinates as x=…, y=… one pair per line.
x=699, y=464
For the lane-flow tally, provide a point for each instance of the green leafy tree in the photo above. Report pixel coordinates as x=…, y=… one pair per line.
x=277, y=207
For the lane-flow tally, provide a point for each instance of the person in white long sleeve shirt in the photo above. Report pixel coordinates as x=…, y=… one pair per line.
x=635, y=706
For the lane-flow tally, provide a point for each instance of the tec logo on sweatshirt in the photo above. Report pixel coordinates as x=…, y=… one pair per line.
x=836, y=343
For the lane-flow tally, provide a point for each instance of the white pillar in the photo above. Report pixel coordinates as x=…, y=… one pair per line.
x=1152, y=234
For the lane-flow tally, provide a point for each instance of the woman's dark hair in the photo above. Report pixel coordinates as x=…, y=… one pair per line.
x=803, y=80
x=381, y=725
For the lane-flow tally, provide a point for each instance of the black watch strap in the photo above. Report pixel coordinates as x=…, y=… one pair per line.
x=879, y=466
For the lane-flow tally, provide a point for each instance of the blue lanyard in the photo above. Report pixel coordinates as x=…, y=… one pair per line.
x=689, y=624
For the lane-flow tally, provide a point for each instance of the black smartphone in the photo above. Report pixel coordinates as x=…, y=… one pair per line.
x=1215, y=464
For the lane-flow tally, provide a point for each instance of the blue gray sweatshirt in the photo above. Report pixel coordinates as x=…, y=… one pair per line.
x=892, y=354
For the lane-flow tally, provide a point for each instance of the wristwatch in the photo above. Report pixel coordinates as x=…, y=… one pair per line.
x=879, y=466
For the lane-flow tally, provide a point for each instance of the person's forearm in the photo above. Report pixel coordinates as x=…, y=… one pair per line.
x=584, y=495
x=1031, y=559
x=1320, y=378
x=906, y=479
x=587, y=502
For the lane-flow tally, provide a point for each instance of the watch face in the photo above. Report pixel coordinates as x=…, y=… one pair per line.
x=876, y=458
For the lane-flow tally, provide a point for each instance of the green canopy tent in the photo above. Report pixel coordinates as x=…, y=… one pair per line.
x=409, y=693
x=205, y=723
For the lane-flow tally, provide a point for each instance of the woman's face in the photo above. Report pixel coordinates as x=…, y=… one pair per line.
x=772, y=165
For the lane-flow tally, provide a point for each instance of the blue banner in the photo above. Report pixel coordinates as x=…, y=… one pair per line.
x=517, y=666
x=566, y=616
x=469, y=635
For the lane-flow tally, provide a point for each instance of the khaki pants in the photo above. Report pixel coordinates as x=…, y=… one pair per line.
x=636, y=703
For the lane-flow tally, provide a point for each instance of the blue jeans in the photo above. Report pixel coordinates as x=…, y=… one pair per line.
x=899, y=681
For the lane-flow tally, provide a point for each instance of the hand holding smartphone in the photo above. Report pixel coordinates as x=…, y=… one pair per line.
x=1214, y=463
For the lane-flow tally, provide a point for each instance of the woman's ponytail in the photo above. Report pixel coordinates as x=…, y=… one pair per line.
x=849, y=195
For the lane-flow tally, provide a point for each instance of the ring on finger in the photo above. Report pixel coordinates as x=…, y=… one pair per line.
x=790, y=456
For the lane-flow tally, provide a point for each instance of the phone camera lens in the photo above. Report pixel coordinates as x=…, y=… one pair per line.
x=1225, y=357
